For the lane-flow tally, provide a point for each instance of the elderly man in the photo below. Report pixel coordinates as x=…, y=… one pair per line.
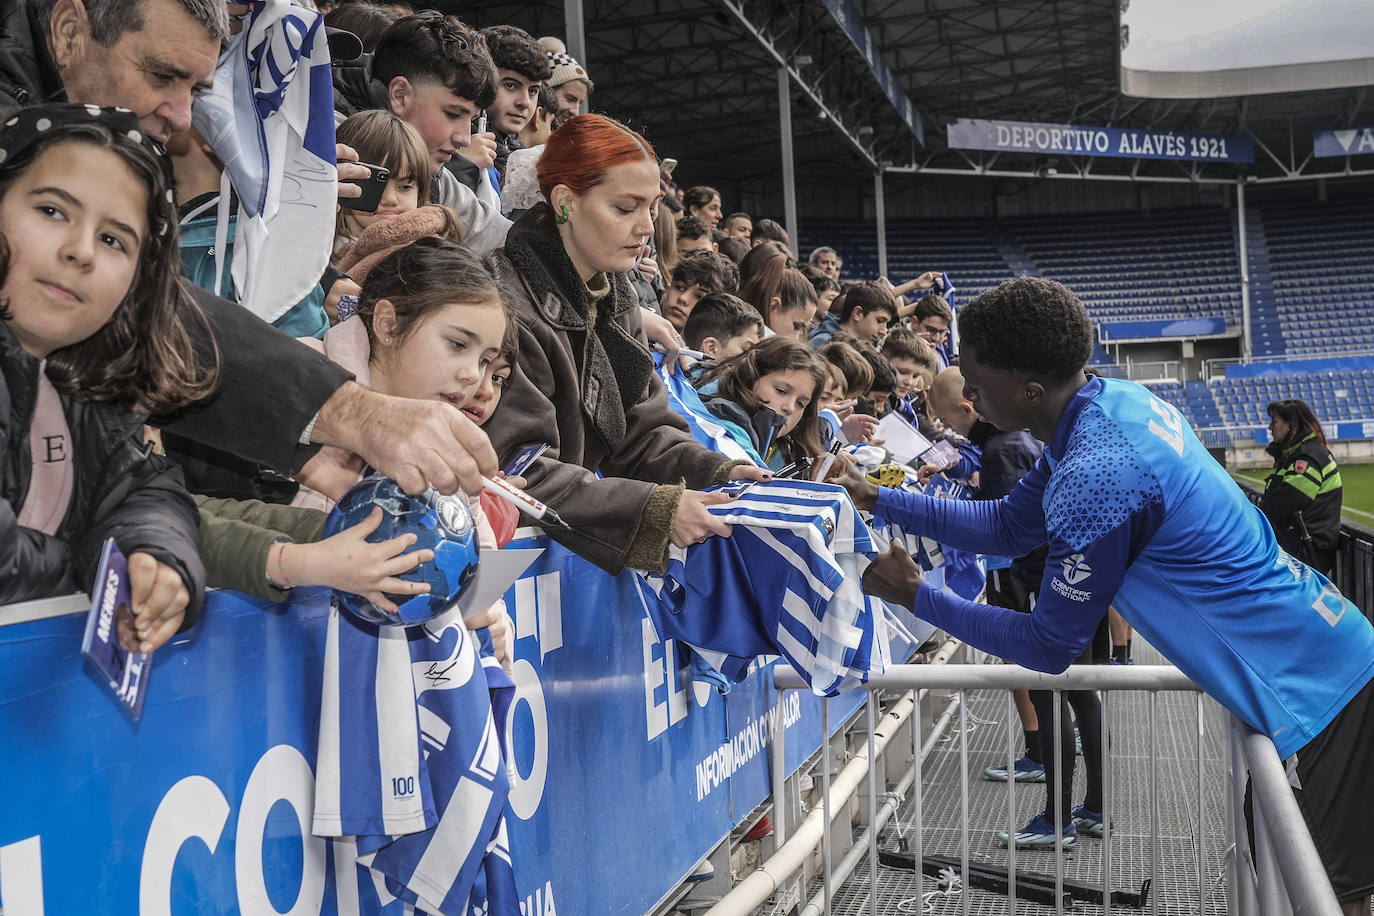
x=827, y=261
x=277, y=398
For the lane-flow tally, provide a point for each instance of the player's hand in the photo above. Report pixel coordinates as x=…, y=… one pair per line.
x=693, y=524
x=348, y=562
x=863, y=491
x=158, y=598
x=893, y=577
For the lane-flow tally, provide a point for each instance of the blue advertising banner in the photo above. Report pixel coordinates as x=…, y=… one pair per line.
x=849, y=19
x=1349, y=429
x=1171, y=327
x=627, y=773
x=1353, y=141
x=1112, y=142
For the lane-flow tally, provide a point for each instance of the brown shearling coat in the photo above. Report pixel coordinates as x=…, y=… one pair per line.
x=566, y=390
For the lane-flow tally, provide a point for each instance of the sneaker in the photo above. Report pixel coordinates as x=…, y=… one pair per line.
x=1039, y=834
x=1025, y=769
x=1089, y=821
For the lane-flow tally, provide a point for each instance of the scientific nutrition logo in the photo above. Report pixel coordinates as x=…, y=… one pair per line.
x=1076, y=569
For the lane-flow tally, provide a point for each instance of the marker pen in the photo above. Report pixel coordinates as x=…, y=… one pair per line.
x=525, y=503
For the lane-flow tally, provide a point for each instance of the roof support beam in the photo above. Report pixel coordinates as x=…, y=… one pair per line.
x=812, y=92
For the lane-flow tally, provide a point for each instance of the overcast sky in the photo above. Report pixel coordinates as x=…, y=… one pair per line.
x=1201, y=35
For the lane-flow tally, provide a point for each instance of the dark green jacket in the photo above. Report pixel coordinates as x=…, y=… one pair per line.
x=1304, y=490
x=236, y=536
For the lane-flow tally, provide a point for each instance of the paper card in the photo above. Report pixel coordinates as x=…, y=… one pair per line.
x=496, y=573
x=941, y=454
x=125, y=672
x=901, y=438
x=524, y=458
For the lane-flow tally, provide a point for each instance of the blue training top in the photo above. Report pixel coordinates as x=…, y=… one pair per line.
x=1138, y=515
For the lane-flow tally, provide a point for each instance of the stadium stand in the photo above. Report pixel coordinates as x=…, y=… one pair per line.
x=1335, y=396
x=1312, y=286
x=1140, y=266
x=1323, y=276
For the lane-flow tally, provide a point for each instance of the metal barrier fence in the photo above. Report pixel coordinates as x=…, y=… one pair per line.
x=1284, y=871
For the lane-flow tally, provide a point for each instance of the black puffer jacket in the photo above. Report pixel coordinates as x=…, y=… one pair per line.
x=354, y=88
x=27, y=74
x=117, y=491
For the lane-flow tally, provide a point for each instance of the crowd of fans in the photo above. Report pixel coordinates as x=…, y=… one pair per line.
x=521, y=262
x=570, y=222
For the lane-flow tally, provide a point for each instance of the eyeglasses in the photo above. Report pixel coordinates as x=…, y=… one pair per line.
x=934, y=332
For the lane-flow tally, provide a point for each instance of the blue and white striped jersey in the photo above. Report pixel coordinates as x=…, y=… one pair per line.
x=786, y=582
x=410, y=762
x=705, y=428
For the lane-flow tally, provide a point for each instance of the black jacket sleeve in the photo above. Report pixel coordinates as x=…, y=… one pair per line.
x=271, y=386
x=144, y=506
x=32, y=564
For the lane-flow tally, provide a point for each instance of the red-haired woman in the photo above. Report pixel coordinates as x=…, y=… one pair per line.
x=585, y=382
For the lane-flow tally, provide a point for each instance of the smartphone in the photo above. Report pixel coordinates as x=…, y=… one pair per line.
x=666, y=166
x=372, y=186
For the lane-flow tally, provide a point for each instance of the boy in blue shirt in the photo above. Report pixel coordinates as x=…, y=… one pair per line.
x=1137, y=514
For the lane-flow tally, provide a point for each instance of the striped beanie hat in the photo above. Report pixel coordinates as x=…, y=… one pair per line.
x=565, y=66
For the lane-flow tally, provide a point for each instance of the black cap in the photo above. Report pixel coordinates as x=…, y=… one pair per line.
x=344, y=47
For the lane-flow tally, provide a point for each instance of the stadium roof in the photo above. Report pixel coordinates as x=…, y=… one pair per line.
x=701, y=78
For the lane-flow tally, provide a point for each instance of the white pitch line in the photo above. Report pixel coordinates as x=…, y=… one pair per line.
x=1344, y=509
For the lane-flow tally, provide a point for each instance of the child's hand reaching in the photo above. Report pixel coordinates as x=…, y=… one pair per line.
x=158, y=597
x=502, y=628
x=349, y=563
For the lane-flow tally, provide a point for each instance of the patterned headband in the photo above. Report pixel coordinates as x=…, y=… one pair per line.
x=27, y=126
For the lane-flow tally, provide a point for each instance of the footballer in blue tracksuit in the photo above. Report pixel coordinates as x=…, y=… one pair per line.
x=1138, y=515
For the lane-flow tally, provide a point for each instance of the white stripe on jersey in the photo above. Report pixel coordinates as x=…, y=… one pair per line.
x=398, y=749
x=327, y=783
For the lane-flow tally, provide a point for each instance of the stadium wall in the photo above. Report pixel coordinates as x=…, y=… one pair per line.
x=626, y=772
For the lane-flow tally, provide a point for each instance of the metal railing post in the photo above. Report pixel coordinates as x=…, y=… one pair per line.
x=1154, y=809
x=963, y=793
x=1107, y=831
x=870, y=716
x=826, y=852
x=778, y=762
x=1241, y=900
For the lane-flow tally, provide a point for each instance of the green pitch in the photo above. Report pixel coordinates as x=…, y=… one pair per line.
x=1357, y=481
